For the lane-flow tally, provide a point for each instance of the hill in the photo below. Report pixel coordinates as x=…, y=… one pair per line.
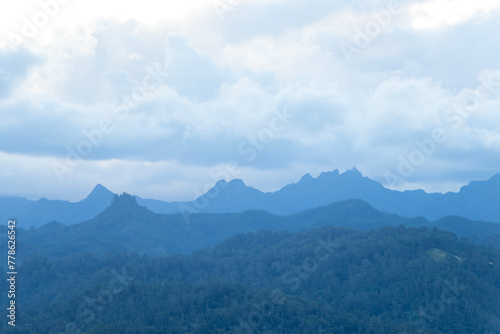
x=328, y=280
x=127, y=226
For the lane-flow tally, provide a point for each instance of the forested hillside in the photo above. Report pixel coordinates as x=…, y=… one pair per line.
x=327, y=280
x=126, y=226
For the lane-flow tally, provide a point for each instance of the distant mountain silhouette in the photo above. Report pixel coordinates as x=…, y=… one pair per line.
x=478, y=201
x=127, y=226
x=36, y=213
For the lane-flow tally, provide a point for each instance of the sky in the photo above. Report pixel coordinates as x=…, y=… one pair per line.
x=163, y=98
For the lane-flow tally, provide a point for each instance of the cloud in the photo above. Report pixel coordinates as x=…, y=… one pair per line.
x=222, y=83
x=14, y=68
x=192, y=74
x=436, y=14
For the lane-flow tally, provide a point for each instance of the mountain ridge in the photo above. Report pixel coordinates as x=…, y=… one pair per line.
x=127, y=226
x=475, y=201
x=36, y=213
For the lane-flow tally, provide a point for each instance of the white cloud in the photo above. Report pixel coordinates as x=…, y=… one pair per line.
x=436, y=14
x=226, y=79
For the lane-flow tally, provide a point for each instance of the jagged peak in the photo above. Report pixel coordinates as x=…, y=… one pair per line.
x=306, y=177
x=99, y=187
x=124, y=198
x=237, y=182
x=333, y=173
x=235, y=186
x=123, y=205
x=233, y=183
x=353, y=171
x=99, y=191
x=221, y=182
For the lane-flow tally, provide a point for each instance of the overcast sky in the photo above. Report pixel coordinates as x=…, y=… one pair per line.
x=161, y=98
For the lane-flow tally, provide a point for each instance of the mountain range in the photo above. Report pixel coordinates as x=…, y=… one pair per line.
x=127, y=226
x=479, y=200
x=386, y=278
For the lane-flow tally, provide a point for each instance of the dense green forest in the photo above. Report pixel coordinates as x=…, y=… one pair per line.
x=326, y=280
